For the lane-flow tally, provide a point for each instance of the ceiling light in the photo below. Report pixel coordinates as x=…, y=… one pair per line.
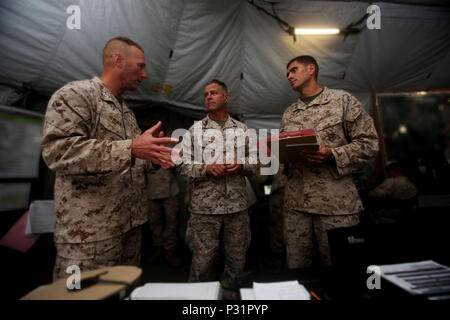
x=316, y=31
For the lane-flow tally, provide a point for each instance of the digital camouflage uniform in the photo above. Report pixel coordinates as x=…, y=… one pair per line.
x=323, y=196
x=100, y=189
x=163, y=191
x=217, y=203
x=276, y=212
x=393, y=199
x=396, y=188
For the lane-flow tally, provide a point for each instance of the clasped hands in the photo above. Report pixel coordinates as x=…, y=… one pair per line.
x=219, y=170
x=152, y=145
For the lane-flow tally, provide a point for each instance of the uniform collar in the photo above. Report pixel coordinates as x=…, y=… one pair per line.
x=211, y=124
x=323, y=98
x=106, y=94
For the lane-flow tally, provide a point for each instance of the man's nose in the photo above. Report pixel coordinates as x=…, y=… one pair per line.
x=144, y=74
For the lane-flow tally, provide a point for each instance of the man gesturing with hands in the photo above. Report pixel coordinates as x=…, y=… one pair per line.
x=93, y=142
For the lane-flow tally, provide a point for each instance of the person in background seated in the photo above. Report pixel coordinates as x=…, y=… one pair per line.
x=394, y=198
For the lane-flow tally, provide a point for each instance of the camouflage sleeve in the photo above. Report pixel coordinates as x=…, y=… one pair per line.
x=66, y=145
x=361, y=133
x=283, y=122
x=188, y=168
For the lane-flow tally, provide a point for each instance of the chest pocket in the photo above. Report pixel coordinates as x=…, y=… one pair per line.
x=110, y=128
x=331, y=133
x=132, y=130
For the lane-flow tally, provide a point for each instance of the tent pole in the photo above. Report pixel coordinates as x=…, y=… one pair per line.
x=380, y=163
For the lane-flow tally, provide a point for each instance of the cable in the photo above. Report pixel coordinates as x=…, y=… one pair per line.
x=352, y=28
x=290, y=29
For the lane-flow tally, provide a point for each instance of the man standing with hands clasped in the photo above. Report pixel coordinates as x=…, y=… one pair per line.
x=219, y=197
x=93, y=142
x=320, y=193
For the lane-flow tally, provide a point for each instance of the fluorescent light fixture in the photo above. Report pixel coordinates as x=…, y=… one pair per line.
x=305, y=31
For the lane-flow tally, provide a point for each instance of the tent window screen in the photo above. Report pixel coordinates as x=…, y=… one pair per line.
x=20, y=138
x=416, y=132
x=19, y=145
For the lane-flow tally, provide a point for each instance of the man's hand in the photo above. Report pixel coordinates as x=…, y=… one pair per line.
x=320, y=155
x=151, y=146
x=233, y=167
x=216, y=170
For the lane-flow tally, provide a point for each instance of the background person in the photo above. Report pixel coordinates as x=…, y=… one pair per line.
x=394, y=198
x=163, y=193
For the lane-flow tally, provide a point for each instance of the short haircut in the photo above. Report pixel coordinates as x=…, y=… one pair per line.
x=218, y=82
x=109, y=45
x=306, y=60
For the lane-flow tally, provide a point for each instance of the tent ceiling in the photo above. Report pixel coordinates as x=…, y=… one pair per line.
x=188, y=43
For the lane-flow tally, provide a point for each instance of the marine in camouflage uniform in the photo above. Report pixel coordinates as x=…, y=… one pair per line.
x=100, y=187
x=163, y=191
x=216, y=202
x=320, y=193
x=276, y=201
x=394, y=199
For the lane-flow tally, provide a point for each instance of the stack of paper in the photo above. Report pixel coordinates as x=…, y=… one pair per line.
x=178, y=291
x=418, y=278
x=286, y=290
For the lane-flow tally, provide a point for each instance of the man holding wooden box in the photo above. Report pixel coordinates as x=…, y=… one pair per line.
x=320, y=193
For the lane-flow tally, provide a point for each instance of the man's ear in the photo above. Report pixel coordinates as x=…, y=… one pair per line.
x=311, y=68
x=119, y=61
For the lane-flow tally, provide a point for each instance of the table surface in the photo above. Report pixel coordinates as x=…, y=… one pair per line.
x=58, y=290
